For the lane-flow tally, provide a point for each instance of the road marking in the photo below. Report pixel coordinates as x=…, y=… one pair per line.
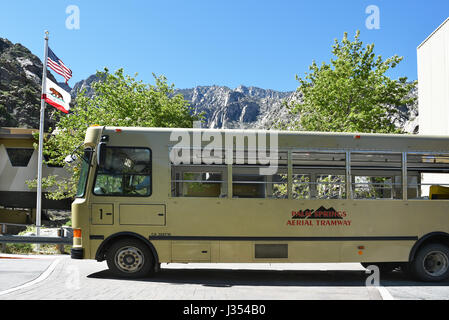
x=42, y=277
x=386, y=295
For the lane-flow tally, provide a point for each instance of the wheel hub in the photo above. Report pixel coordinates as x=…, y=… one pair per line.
x=129, y=259
x=436, y=263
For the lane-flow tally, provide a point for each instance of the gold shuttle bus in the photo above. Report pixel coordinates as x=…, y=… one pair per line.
x=148, y=196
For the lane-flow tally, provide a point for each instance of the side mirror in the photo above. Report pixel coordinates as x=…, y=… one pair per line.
x=70, y=158
x=101, y=154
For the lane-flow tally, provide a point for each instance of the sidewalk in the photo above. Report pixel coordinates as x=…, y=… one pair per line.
x=29, y=256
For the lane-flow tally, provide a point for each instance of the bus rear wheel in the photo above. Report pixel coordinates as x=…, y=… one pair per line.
x=431, y=263
x=129, y=258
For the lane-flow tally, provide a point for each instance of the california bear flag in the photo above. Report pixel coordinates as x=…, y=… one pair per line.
x=57, y=97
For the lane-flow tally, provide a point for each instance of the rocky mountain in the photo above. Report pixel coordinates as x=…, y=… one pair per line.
x=84, y=85
x=20, y=87
x=242, y=107
x=409, y=119
x=250, y=107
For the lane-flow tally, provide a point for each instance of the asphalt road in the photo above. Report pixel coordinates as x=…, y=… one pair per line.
x=59, y=277
x=17, y=270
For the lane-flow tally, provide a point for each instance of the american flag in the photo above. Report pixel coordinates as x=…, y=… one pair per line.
x=58, y=66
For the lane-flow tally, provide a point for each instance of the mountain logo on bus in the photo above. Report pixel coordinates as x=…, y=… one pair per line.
x=320, y=213
x=319, y=217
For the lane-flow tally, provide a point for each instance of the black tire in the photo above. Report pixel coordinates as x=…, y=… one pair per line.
x=431, y=263
x=130, y=258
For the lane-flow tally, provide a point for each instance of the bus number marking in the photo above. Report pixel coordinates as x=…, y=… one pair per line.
x=155, y=234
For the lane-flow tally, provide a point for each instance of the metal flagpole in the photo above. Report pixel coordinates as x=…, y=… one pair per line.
x=41, y=140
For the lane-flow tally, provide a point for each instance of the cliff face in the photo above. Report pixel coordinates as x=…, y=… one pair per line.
x=242, y=107
x=20, y=87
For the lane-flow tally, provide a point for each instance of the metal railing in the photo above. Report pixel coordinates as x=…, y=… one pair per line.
x=5, y=238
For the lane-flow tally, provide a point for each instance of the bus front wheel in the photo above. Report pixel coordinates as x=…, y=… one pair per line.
x=129, y=258
x=431, y=263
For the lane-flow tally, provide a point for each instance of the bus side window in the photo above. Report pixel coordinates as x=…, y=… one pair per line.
x=318, y=175
x=329, y=186
x=376, y=175
x=249, y=180
x=369, y=186
x=301, y=186
x=198, y=181
x=247, y=183
x=428, y=176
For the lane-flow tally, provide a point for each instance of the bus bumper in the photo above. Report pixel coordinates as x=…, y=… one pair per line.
x=77, y=253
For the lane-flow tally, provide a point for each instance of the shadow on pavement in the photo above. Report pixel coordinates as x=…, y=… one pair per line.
x=306, y=278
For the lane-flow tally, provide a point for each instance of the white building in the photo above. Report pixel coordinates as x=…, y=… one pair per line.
x=433, y=92
x=18, y=163
x=433, y=82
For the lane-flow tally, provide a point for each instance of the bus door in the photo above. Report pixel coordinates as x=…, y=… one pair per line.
x=123, y=176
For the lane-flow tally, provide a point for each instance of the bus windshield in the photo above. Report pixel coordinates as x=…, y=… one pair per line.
x=84, y=172
x=126, y=172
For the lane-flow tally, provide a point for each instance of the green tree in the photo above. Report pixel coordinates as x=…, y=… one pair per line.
x=353, y=93
x=119, y=100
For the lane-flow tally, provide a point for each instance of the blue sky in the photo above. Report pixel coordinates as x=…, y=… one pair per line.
x=207, y=42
